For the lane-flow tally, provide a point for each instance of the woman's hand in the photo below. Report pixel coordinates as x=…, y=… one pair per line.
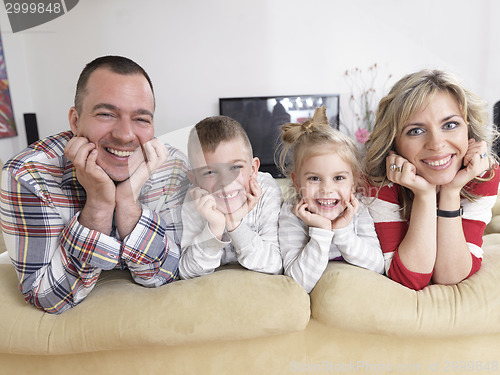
x=402, y=172
x=476, y=161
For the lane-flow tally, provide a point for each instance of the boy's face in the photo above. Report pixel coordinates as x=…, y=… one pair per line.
x=225, y=173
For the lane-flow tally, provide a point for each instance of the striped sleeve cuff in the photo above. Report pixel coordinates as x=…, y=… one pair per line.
x=146, y=243
x=90, y=247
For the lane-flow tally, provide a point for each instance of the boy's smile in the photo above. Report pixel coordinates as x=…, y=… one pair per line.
x=225, y=173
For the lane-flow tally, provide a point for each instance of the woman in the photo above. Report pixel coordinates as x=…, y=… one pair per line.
x=432, y=178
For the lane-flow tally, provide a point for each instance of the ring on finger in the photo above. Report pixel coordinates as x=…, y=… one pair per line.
x=482, y=156
x=395, y=168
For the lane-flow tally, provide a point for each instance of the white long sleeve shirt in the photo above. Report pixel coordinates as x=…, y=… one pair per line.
x=253, y=244
x=306, y=251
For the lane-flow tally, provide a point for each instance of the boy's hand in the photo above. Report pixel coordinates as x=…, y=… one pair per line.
x=233, y=220
x=206, y=205
x=311, y=219
x=352, y=207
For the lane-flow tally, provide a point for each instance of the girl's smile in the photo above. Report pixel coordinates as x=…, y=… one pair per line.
x=325, y=183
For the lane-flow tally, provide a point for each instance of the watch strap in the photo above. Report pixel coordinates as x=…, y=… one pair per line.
x=455, y=213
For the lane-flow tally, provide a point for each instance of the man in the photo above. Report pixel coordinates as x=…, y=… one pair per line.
x=105, y=195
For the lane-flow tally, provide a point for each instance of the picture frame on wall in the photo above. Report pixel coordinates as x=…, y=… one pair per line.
x=7, y=121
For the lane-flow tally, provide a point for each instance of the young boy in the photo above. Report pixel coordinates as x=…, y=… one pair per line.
x=230, y=214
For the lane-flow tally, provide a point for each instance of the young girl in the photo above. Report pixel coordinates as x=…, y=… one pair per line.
x=435, y=183
x=324, y=220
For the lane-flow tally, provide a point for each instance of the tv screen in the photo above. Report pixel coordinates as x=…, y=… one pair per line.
x=262, y=117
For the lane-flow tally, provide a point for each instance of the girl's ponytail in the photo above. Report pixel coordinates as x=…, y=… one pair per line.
x=295, y=134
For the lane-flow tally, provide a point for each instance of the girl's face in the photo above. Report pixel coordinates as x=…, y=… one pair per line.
x=325, y=182
x=435, y=139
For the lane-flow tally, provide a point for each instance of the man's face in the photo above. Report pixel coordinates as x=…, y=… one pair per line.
x=117, y=117
x=225, y=173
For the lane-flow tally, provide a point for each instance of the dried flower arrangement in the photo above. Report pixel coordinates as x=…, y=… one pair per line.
x=365, y=94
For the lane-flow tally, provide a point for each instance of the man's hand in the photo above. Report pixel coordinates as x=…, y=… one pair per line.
x=206, y=205
x=92, y=177
x=233, y=220
x=155, y=154
x=100, y=189
x=128, y=207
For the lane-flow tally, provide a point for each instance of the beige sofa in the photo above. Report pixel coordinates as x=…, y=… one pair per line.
x=240, y=322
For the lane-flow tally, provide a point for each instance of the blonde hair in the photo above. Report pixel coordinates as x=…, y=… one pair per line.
x=395, y=110
x=301, y=141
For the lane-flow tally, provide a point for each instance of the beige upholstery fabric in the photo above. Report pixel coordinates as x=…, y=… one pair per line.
x=230, y=304
x=241, y=322
x=352, y=298
x=494, y=224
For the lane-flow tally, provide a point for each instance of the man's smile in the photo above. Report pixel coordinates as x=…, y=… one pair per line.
x=119, y=152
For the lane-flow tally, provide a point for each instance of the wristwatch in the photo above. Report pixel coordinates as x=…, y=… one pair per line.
x=456, y=213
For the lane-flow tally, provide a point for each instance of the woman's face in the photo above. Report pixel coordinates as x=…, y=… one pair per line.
x=435, y=139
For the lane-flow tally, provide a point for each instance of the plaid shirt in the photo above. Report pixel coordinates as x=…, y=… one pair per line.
x=58, y=261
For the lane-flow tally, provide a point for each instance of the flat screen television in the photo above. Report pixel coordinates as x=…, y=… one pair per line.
x=262, y=117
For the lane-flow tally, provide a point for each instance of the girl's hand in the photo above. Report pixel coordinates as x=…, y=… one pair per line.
x=352, y=207
x=402, y=172
x=476, y=161
x=311, y=219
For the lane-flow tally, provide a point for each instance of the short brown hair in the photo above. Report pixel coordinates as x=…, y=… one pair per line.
x=117, y=64
x=211, y=131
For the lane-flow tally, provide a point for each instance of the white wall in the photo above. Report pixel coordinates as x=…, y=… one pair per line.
x=199, y=50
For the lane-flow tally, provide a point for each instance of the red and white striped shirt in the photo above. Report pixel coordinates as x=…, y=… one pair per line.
x=391, y=227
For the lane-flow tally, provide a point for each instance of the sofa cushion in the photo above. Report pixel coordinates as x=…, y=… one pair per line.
x=230, y=304
x=494, y=225
x=357, y=299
